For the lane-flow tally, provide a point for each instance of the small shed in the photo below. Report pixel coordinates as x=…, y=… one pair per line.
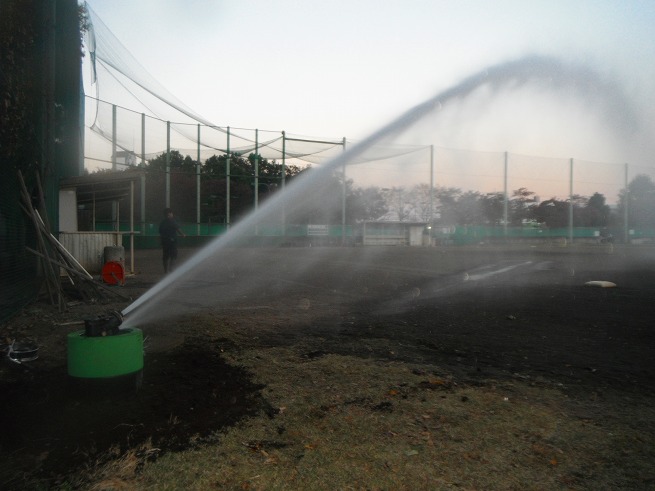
x=395, y=233
x=88, y=246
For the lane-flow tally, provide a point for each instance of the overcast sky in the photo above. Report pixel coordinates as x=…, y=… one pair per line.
x=339, y=68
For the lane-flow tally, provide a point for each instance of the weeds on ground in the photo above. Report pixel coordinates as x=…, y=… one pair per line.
x=343, y=422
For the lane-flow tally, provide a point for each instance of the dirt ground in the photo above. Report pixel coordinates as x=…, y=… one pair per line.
x=478, y=313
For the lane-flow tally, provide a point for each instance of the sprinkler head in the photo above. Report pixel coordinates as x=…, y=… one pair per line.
x=103, y=325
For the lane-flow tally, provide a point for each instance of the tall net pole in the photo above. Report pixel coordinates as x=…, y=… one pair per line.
x=227, y=182
x=113, y=137
x=343, y=198
x=571, y=201
x=198, y=185
x=284, y=180
x=168, y=164
x=343, y=173
x=431, y=194
x=284, y=159
x=505, y=197
x=143, y=177
x=256, y=169
x=626, y=201
x=143, y=139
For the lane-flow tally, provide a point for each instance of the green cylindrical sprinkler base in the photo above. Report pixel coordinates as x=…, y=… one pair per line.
x=105, y=356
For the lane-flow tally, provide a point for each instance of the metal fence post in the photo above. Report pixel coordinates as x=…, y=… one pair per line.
x=113, y=137
x=143, y=177
x=227, y=182
x=343, y=198
x=571, y=201
x=198, y=186
x=626, y=204
x=431, y=231
x=505, y=197
x=256, y=169
x=168, y=164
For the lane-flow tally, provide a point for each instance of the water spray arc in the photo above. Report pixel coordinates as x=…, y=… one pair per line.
x=532, y=71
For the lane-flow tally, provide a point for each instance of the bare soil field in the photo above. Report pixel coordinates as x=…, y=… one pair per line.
x=406, y=368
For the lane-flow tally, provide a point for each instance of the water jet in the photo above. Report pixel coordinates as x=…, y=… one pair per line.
x=208, y=278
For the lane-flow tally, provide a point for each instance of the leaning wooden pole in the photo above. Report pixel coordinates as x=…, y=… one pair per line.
x=51, y=277
x=62, y=250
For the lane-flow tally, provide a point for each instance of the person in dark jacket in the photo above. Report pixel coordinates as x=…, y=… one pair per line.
x=168, y=231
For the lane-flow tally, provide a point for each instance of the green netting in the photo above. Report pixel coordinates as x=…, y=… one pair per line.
x=40, y=130
x=19, y=280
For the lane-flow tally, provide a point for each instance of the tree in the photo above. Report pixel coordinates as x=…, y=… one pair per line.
x=214, y=186
x=396, y=203
x=595, y=212
x=271, y=171
x=469, y=209
x=493, y=208
x=421, y=208
x=640, y=201
x=178, y=163
x=214, y=166
x=242, y=183
x=552, y=212
x=520, y=205
x=365, y=204
x=447, y=204
x=182, y=182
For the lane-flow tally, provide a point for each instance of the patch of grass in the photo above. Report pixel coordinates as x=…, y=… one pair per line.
x=349, y=423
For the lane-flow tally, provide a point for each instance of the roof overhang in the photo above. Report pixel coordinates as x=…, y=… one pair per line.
x=102, y=186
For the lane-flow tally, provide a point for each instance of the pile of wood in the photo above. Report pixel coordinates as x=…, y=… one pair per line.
x=56, y=262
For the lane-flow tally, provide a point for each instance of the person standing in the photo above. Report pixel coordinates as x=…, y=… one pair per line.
x=168, y=231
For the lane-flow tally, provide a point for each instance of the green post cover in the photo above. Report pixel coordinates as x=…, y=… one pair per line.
x=105, y=356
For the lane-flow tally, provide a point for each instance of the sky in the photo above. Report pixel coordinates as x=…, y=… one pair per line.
x=343, y=68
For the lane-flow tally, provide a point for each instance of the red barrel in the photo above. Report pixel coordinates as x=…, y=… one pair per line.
x=113, y=273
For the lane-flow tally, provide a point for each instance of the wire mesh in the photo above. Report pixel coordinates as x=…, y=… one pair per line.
x=412, y=181
x=215, y=175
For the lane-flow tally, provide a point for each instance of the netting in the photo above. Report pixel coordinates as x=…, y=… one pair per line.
x=404, y=173
x=39, y=132
x=129, y=109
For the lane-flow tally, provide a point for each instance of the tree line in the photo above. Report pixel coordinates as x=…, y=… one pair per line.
x=444, y=206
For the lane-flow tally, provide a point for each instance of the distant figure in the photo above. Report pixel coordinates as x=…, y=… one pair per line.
x=168, y=231
x=605, y=237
